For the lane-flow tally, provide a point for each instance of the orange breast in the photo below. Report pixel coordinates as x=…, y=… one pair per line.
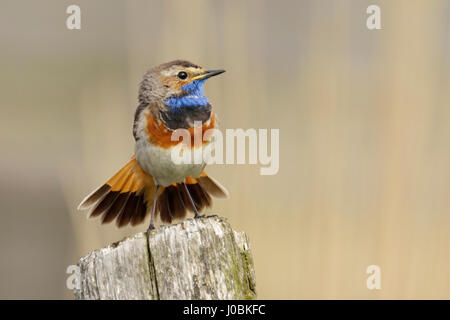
x=159, y=135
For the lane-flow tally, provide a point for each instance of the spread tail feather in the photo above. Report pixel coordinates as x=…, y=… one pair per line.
x=125, y=197
x=128, y=195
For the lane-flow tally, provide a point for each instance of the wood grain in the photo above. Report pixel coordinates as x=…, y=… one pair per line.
x=196, y=259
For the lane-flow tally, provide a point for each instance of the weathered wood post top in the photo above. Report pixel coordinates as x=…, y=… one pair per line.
x=195, y=259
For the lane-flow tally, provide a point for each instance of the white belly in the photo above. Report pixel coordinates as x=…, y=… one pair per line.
x=158, y=162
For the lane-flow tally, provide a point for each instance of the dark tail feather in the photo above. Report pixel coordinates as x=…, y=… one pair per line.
x=105, y=204
x=174, y=202
x=140, y=211
x=124, y=197
x=116, y=208
x=213, y=187
x=163, y=206
x=201, y=198
x=95, y=196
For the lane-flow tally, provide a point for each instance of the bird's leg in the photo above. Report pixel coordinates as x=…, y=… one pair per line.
x=152, y=217
x=197, y=215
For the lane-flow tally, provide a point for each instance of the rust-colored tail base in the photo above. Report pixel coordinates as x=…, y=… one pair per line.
x=128, y=195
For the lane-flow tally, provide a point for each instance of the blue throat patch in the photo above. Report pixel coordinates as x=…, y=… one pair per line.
x=195, y=96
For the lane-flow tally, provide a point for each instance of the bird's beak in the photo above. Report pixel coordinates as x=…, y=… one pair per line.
x=208, y=74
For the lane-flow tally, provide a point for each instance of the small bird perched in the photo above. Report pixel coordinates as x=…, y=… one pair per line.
x=171, y=97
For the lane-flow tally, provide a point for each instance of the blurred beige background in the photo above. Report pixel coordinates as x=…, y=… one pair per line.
x=364, y=119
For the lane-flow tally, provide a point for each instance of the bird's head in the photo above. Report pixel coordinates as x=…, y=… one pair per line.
x=176, y=84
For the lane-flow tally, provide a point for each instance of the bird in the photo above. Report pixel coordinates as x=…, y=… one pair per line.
x=170, y=97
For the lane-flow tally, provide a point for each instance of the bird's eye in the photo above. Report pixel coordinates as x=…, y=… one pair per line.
x=182, y=75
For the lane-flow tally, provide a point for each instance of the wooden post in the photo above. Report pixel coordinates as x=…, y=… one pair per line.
x=196, y=259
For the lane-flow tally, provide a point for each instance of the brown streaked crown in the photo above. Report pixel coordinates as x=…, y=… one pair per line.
x=181, y=63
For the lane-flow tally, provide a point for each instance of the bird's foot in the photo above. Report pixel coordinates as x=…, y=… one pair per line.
x=151, y=227
x=198, y=216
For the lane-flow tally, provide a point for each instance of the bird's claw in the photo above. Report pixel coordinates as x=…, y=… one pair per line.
x=198, y=216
